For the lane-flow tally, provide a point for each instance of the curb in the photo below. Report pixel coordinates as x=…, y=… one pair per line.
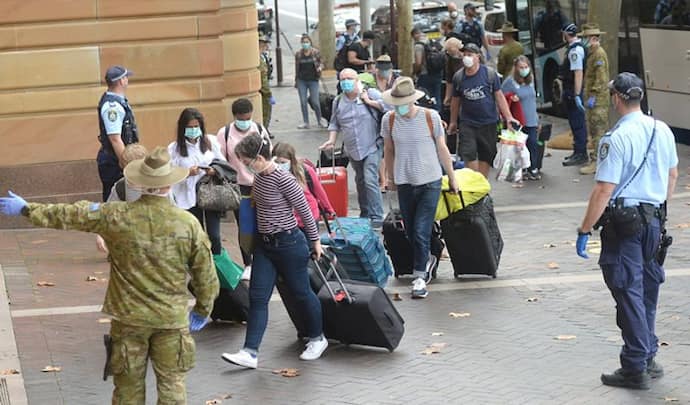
x=9, y=358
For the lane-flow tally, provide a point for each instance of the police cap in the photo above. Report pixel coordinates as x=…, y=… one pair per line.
x=628, y=86
x=115, y=73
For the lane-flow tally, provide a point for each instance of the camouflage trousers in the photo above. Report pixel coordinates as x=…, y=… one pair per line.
x=171, y=352
x=266, y=109
x=597, y=125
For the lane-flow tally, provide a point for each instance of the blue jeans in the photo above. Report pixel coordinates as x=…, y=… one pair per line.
x=418, y=209
x=313, y=87
x=433, y=85
x=286, y=253
x=368, y=189
x=576, y=119
x=633, y=276
x=532, y=146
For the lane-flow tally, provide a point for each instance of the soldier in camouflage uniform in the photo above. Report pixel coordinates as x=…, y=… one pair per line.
x=596, y=91
x=153, y=246
x=267, y=99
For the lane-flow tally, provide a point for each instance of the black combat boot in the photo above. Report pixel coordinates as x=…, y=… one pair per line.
x=578, y=159
x=627, y=379
x=654, y=369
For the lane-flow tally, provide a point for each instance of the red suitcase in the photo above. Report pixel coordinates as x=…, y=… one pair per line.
x=334, y=181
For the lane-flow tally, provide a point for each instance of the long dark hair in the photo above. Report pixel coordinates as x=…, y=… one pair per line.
x=187, y=115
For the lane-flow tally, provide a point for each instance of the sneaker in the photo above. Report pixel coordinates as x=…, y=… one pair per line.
x=430, y=266
x=533, y=174
x=247, y=273
x=315, y=349
x=303, y=126
x=242, y=358
x=654, y=369
x=591, y=168
x=577, y=160
x=323, y=123
x=627, y=379
x=419, y=288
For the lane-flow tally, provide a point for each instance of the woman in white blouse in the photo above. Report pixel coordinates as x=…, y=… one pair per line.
x=195, y=150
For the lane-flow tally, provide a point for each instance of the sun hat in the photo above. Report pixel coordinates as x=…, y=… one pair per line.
x=403, y=92
x=155, y=170
x=507, y=27
x=589, y=30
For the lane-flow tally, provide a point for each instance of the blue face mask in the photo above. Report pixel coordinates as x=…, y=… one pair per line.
x=306, y=45
x=524, y=72
x=347, y=85
x=385, y=73
x=285, y=166
x=402, y=109
x=192, y=133
x=243, y=125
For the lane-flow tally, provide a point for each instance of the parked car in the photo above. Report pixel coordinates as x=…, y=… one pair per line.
x=265, y=16
x=492, y=20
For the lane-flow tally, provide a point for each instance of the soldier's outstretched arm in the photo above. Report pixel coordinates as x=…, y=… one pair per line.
x=204, y=278
x=81, y=216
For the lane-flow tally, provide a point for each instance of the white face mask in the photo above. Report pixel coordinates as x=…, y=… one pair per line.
x=468, y=61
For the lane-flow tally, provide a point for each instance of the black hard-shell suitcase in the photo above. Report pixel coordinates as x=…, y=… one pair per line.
x=232, y=305
x=326, y=103
x=399, y=248
x=473, y=239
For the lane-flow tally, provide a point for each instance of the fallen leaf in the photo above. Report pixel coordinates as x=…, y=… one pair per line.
x=670, y=399
x=576, y=180
x=104, y=320
x=437, y=334
x=9, y=371
x=396, y=297
x=433, y=348
x=683, y=226
x=553, y=265
x=91, y=278
x=97, y=272
x=287, y=372
x=565, y=337
x=459, y=314
x=532, y=299
x=518, y=185
x=51, y=369
x=542, y=187
x=214, y=401
x=675, y=318
x=663, y=343
x=45, y=284
x=103, y=280
x=549, y=245
x=38, y=242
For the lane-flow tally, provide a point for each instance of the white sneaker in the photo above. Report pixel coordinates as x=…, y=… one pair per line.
x=242, y=358
x=419, y=288
x=247, y=273
x=314, y=349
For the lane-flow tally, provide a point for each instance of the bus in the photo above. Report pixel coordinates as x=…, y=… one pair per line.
x=652, y=43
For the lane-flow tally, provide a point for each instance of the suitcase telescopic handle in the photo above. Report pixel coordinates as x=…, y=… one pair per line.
x=323, y=277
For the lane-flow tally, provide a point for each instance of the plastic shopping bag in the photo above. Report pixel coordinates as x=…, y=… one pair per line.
x=512, y=156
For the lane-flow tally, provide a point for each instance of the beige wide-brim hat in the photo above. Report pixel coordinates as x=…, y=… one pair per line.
x=507, y=27
x=403, y=92
x=589, y=30
x=155, y=170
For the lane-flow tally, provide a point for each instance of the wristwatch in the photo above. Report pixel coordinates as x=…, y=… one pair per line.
x=580, y=232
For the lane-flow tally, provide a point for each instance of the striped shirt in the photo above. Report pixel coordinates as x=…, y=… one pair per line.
x=276, y=195
x=416, y=159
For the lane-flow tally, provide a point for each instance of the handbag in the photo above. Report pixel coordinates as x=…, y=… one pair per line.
x=217, y=194
x=229, y=272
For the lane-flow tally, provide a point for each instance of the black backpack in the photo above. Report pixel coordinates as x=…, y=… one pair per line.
x=340, y=61
x=435, y=57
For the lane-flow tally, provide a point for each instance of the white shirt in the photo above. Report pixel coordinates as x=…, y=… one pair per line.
x=185, y=191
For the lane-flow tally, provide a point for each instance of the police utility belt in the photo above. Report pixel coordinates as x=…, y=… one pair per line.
x=621, y=222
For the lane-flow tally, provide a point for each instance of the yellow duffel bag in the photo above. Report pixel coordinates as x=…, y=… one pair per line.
x=473, y=186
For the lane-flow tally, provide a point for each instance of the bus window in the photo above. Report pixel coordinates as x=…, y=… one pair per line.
x=494, y=22
x=549, y=19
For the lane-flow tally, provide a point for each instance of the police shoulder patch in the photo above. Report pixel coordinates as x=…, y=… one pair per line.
x=573, y=56
x=112, y=115
x=94, y=207
x=599, y=62
x=603, y=150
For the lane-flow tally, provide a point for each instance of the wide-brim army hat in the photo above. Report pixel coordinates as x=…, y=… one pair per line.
x=589, y=30
x=507, y=27
x=403, y=92
x=155, y=170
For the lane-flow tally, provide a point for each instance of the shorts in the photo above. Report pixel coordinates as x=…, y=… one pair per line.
x=478, y=142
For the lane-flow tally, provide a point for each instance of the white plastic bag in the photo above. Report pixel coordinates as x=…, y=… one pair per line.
x=512, y=156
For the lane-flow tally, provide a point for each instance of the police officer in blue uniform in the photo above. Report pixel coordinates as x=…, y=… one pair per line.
x=117, y=127
x=572, y=76
x=636, y=174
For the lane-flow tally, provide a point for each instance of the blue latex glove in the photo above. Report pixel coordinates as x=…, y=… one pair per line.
x=196, y=321
x=591, y=102
x=578, y=103
x=272, y=100
x=12, y=205
x=581, y=245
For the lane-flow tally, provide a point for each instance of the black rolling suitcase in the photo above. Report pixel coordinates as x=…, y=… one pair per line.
x=232, y=305
x=399, y=248
x=473, y=239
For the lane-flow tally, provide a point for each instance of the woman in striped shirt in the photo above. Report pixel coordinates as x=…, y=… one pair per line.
x=281, y=248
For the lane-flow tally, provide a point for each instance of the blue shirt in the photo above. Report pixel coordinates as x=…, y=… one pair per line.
x=528, y=99
x=113, y=115
x=357, y=124
x=477, y=100
x=576, y=55
x=622, y=150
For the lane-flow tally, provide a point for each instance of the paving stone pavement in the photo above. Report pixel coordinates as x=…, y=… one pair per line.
x=505, y=352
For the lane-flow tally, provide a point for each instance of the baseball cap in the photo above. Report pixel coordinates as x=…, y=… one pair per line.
x=350, y=22
x=115, y=73
x=469, y=5
x=628, y=86
x=570, y=29
x=368, y=35
x=471, y=47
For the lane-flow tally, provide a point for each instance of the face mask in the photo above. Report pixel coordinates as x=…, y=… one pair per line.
x=306, y=45
x=402, y=109
x=347, y=85
x=284, y=166
x=385, y=73
x=468, y=61
x=524, y=72
x=192, y=133
x=243, y=125
x=454, y=14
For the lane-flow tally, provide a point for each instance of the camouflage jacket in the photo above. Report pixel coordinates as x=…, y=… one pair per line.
x=153, y=246
x=596, y=78
x=506, y=56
